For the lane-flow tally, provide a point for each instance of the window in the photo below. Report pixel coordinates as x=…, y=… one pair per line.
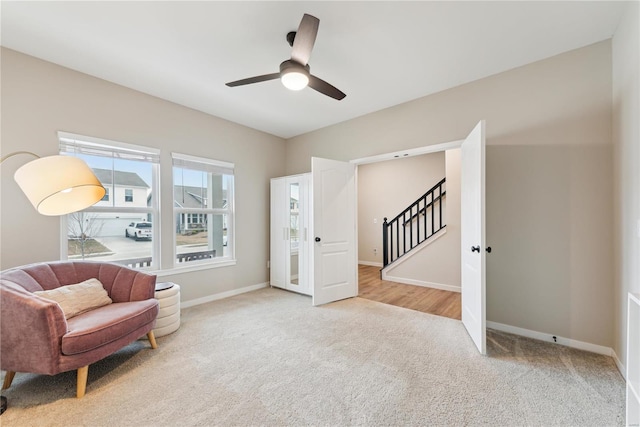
x=120, y=227
x=203, y=209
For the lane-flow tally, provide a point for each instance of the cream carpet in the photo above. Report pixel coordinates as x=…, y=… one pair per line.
x=269, y=358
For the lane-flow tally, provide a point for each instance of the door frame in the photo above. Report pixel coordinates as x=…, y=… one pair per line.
x=396, y=155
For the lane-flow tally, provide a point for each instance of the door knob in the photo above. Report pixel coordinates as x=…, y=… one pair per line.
x=475, y=249
x=488, y=249
x=317, y=239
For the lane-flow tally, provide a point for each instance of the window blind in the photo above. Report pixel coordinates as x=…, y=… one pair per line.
x=76, y=144
x=202, y=164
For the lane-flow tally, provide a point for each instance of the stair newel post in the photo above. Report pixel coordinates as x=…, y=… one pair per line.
x=385, y=243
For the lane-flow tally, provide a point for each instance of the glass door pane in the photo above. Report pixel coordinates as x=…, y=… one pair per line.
x=294, y=231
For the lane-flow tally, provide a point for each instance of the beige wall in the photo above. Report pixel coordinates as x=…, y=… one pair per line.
x=438, y=264
x=549, y=137
x=385, y=189
x=626, y=138
x=40, y=98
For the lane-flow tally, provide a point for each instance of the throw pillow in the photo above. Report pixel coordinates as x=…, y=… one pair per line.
x=79, y=298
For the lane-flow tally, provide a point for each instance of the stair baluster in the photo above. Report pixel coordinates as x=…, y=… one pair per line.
x=430, y=202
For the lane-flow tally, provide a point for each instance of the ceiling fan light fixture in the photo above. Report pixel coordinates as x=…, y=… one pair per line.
x=294, y=80
x=294, y=76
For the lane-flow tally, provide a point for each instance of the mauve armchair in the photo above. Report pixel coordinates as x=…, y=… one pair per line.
x=36, y=337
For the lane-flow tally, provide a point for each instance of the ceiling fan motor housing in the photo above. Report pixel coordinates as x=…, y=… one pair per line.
x=290, y=66
x=294, y=75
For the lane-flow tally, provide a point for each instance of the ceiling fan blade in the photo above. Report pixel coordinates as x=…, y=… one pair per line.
x=325, y=88
x=256, y=79
x=305, y=39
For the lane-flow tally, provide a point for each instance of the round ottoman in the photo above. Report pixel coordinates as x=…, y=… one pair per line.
x=168, y=320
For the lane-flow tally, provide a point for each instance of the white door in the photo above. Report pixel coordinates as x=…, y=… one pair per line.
x=334, y=231
x=473, y=236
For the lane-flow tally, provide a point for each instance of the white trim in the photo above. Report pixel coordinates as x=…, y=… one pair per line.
x=408, y=153
x=619, y=364
x=450, y=288
x=99, y=142
x=204, y=160
x=222, y=295
x=188, y=269
x=580, y=345
x=370, y=263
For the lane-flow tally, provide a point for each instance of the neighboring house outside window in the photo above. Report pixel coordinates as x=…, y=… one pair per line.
x=127, y=186
x=130, y=174
x=203, y=209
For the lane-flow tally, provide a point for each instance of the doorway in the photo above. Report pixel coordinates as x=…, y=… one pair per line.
x=334, y=214
x=428, y=278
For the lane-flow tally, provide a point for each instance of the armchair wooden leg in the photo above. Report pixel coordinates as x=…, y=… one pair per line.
x=152, y=340
x=82, y=381
x=8, y=379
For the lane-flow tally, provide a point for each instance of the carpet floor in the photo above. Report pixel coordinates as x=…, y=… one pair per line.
x=269, y=358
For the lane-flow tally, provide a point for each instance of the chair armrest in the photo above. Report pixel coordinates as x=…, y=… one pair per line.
x=131, y=285
x=143, y=287
x=31, y=330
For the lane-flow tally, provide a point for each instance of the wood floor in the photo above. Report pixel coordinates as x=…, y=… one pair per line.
x=427, y=300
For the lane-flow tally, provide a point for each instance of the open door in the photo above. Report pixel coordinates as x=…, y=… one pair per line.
x=473, y=236
x=334, y=231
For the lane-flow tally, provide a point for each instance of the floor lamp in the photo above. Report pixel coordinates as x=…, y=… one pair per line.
x=56, y=185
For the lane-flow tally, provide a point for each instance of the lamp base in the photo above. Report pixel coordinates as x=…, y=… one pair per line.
x=3, y=406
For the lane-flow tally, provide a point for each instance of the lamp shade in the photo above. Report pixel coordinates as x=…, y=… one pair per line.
x=58, y=185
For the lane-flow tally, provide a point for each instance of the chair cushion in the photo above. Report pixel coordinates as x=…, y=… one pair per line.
x=103, y=325
x=79, y=298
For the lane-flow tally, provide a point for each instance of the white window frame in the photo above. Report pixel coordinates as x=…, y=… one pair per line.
x=84, y=144
x=206, y=165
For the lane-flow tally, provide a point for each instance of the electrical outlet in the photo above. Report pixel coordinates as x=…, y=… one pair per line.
x=375, y=220
x=268, y=264
x=375, y=250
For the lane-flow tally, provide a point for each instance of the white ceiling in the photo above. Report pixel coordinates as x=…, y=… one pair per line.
x=379, y=53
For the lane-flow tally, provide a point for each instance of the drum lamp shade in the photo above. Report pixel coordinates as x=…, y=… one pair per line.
x=58, y=185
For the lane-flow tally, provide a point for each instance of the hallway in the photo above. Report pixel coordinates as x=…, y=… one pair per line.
x=419, y=298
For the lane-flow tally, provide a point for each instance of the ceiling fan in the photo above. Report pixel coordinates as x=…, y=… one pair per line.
x=295, y=72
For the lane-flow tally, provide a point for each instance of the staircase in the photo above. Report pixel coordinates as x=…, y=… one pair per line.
x=419, y=222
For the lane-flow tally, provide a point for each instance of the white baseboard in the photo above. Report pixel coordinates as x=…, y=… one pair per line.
x=580, y=345
x=619, y=364
x=415, y=282
x=371, y=263
x=222, y=295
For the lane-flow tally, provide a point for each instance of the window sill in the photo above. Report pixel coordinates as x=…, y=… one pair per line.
x=190, y=268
